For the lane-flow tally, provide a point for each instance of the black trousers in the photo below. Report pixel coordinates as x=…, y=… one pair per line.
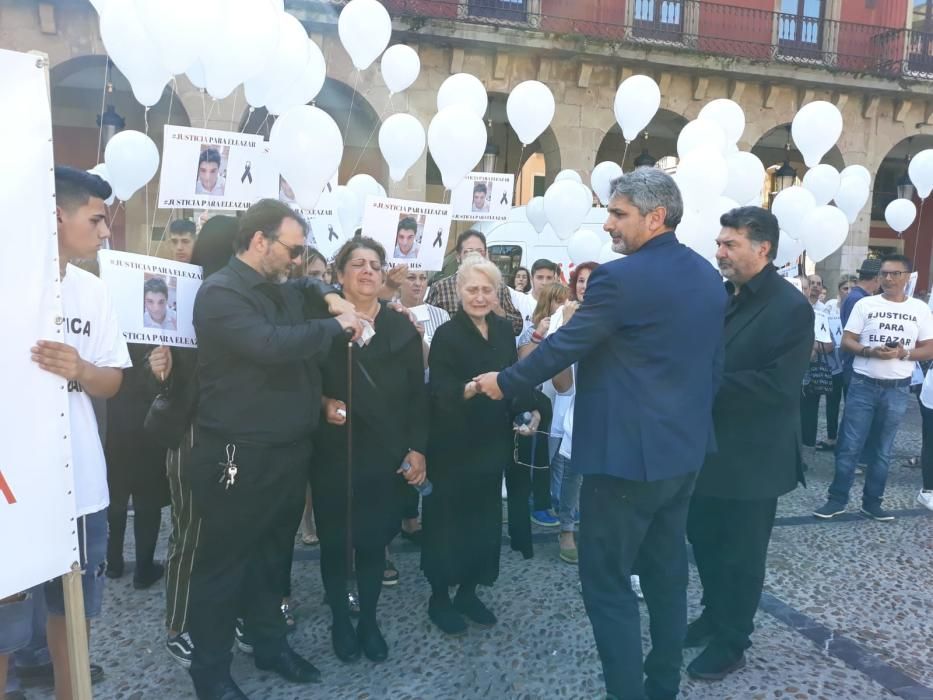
x=521, y=482
x=730, y=543
x=926, y=453
x=246, y=537
x=146, y=522
x=627, y=526
x=809, y=413
x=833, y=402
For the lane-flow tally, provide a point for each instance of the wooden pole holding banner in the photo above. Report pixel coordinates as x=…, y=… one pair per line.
x=78, y=657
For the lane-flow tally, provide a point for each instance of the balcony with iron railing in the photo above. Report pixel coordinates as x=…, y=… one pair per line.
x=698, y=26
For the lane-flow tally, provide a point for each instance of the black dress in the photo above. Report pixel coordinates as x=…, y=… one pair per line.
x=470, y=444
x=389, y=419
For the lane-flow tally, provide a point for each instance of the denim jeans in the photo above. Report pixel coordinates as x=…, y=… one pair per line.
x=867, y=404
x=569, y=495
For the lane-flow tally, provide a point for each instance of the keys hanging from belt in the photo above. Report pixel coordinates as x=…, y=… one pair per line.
x=229, y=468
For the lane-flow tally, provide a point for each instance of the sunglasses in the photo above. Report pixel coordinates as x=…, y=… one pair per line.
x=294, y=251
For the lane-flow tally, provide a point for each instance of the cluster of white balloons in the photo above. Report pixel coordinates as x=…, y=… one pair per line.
x=900, y=213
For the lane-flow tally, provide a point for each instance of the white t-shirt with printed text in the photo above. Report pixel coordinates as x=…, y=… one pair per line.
x=877, y=321
x=90, y=327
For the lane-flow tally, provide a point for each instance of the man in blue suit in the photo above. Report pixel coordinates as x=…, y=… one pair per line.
x=648, y=340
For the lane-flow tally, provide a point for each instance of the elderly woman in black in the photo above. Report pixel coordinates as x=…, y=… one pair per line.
x=471, y=442
x=389, y=430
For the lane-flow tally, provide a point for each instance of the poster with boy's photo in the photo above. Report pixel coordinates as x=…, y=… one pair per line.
x=153, y=297
x=324, y=231
x=483, y=197
x=413, y=233
x=209, y=169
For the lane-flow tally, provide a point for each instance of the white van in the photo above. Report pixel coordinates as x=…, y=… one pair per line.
x=515, y=243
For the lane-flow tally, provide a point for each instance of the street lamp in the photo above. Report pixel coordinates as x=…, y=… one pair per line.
x=645, y=159
x=109, y=122
x=905, y=188
x=491, y=154
x=785, y=176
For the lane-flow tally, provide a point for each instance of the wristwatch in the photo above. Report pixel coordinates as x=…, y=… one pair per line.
x=866, y=351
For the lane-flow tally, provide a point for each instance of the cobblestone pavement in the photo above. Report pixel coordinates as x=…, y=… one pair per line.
x=846, y=615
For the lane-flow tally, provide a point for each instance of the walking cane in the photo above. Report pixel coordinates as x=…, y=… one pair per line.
x=349, y=542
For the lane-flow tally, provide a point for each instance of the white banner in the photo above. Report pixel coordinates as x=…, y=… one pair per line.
x=483, y=197
x=207, y=169
x=413, y=233
x=153, y=297
x=37, y=505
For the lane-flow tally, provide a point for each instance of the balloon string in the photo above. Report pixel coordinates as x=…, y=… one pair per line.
x=371, y=134
x=103, y=105
x=113, y=214
x=518, y=176
x=148, y=225
x=204, y=107
x=248, y=117
x=917, y=234
x=356, y=82
x=624, y=154
x=210, y=112
x=236, y=94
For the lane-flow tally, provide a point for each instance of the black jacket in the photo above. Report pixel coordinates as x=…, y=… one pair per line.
x=768, y=341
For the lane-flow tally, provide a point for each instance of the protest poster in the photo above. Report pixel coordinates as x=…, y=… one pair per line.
x=911, y=284
x=154, y=298
x=483, y=197
x=38, y=540
x=324, y=231
x=208, y=169
x=413, y=233
x=821, y=326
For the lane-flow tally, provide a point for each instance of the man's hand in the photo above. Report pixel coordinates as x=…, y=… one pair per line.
x=160, y=362
x=337, y=305
x=335, y=411
x=352, y=321
x=488, y=384
x=60, y=359
x=417, y=474
x=886, y=353
x=395, y=276
x=530, y=428
x=570, y=308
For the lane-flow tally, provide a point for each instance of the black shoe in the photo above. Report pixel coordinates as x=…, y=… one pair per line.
x=470, y=606
x=290, y=666
x=699, y=633
x=343, y=637
x=224, y=689
x=144, y=578
x=445, y=616
x=876, y=512
x=114, y=568
x=715, y=663
x=243, y=642
x=371, y=641
x=180, y=648
x=44, y=676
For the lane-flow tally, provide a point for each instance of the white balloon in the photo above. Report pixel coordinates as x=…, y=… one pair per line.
x=464, y=90
x=366, y=186
x=306, y=147
x=637, y=101
x=530, y=109
x=177, y=28
x=401, y=142
x=851, y=197
x=825, y=229
x=584, y=246
x=921, y=172
x=133, y=51
x=702, y=175
x=349, y=210
x=789, y=249
x=132, y=160
x=365, y=29
x=823, y=182
x=698, y=134
x=746, y=177
x=101, y=171
x=287, y=60
x=305, y=86
x=566, y=204
x=456, y=140
x=400, y=67
x=791, y=207
x=859, y=171
x=601, y=179
x=100, y=5
x=900, y=214
x=607, y=254
x=698, y=231
x=728, y=115
x=535, y=213
x=244, y=37
x=816, y=128
x=572, y=175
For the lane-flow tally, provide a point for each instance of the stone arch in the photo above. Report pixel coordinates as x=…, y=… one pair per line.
x=770, y=148
x=661, y=141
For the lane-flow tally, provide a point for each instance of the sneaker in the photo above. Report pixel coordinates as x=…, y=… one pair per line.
x=180, y=649
x=829, y=510
x=925, y=498
x=544, y=518
x=636, y=587
x=569, y=555
x=242, y=640
x=876, y=512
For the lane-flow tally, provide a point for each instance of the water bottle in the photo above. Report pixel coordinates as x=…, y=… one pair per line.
x=425, y=488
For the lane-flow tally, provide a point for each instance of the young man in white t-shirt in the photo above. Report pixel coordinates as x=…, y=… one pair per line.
x=887, y=334
x=91, y=359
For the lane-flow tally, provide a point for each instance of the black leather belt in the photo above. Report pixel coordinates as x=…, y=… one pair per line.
x=884, y=382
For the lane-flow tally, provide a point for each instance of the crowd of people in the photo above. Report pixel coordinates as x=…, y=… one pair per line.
x=350, y=403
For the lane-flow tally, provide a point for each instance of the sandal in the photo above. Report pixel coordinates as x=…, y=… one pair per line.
x=390, y=576
x=310, y=539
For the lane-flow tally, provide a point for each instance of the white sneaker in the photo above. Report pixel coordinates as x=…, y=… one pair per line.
x=925, y=498
x=636, y=587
